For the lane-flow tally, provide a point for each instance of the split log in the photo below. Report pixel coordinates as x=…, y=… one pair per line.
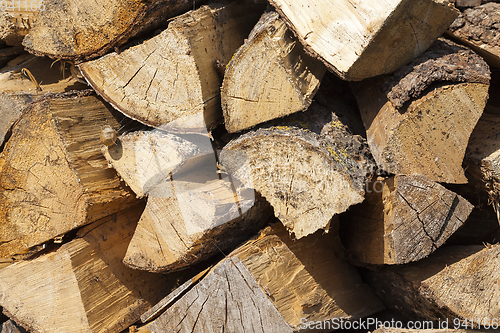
x=192, y=216
x=482, y=158
x=16, y=19
x=479, y=29
x=454, y=283
x=269, y=77
x=77, y=30
x=171, y=81
x=83, y=286
x=17, y=90
x=308, y=165
x=53, y=177
x=10, y=326
x=419, y=119
x=268, y=285
x=403, y=219
x=364, y=39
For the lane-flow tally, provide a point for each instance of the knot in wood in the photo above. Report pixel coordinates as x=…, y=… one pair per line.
x=108, y=136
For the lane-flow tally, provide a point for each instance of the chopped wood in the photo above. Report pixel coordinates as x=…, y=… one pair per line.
x=456, y=282
x=403, y=219
x=268, y=285
x=171, y=80
x=419, y=119
x=308, y=165
x=53, y=177
x=10, y=326
x=79, y=30
x=17, y=90
x=479, y=29
x=14, y=25
x=83, y=286
x=269, y=77
x=358, y=39
x=192, y=216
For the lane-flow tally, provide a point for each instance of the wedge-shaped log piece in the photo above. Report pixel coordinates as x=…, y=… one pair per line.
x=144, y=159
x=78, y=30
x=418, y=120
x=455, y=282
x=53, y=177
x=17, y=89
x=269, y=284
x=479, y=29
x=269, y=77
x=361, y=39
x=193, y=215
x=83, y=286
x=482, y=158
x=308, y=165
x=173, y=76
x=403, y=219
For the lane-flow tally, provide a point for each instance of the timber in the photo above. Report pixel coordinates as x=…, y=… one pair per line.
x=83, y=286
x=171, y=80
x=416, y=127
x=268, y=284
x=452, y=283
x=269, y=77
x=16, y=24
x=403, y=219
x=358, y=40
x=308, y=166
x=79, y=30
x=53, y=177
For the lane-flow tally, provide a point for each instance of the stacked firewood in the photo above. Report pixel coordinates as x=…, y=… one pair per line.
x=249, y=166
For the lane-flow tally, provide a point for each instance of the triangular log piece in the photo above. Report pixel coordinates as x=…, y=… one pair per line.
x=269, y=77
x=272, y=284
x=455, y=282
x=172, y=80
x=83, y=286
x=53, y=177
x=362, y=39
x=77, y=30
x=479, y=29
x=193, y=215
x=308, y=165
x=403, y=219
x=418, y=120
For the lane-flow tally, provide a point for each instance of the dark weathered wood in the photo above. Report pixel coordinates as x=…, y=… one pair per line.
x=78, y=30
x=456, y=282
x=403, y=219
x=268, y=285
x=309, y=166
x=53, y=177
x=171, y=81
x=83, y=286
x=418, y=120
x=269, y=77
x=358, y=40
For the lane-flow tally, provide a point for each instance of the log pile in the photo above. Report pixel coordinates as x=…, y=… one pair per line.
x=249, y=166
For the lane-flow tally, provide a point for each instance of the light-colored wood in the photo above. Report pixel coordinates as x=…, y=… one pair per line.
x=78, y=30
x=482, y=158
x=11, y=327
x=53, y=177
x=403, y=219
x=83, y=286
x=144, y=159
x=269, y=284
x=478, y=28
x=456, y=282
x=15, y=24
x=16, y=90
x=361, y=39
x=269, y=77
x=171, y=80
x=192, y=216
x=308, y=165
x=418, y=120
